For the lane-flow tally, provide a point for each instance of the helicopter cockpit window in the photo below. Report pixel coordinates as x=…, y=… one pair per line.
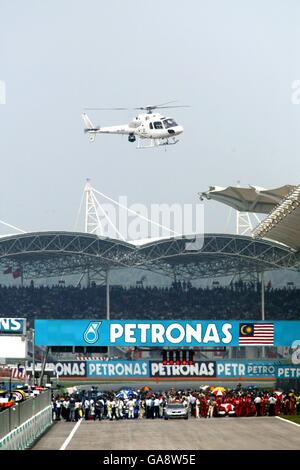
x=169, y=123
x=158, y=125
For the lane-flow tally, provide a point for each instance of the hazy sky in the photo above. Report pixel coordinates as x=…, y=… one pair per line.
x=233, y=61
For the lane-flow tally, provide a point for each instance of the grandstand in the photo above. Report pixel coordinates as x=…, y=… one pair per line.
x=93, y=258
x=282, y=223
x=59, y=255
x=239, y=300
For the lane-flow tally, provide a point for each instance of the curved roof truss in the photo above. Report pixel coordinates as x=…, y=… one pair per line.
x=46, y=254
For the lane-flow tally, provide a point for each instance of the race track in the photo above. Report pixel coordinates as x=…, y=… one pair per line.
x=266, y=433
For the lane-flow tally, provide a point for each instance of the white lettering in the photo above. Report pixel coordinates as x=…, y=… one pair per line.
x=144, y=327
x=192, y=333
x=157, y=333
x=116, y=331
x=119, y=369
x=227, y=333
x=15, y=325
x=211, y=334
x=154, y=368
x=129, y=333
x=169, y=330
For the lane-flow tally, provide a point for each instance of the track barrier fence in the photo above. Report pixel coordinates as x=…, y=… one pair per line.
x=24, y=422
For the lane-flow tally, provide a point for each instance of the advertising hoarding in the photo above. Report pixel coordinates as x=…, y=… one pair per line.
x=197, y=369
x=13, y=347
x=12, y=326
x=165, y=333
x=117, y=369
x=234, y=370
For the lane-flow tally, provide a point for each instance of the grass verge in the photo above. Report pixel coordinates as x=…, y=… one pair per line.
x=295, y=419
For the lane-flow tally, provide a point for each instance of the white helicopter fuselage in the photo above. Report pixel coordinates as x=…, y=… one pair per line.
x=144, y=126
x=154, y=126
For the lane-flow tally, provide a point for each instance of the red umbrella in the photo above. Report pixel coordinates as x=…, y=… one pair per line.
x=218, y=393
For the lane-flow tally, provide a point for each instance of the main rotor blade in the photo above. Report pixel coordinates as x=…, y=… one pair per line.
x=142, y=108
x=176, y=106
x=162, y=106
x=107, y=109
x=167, y=102
x=154, y=106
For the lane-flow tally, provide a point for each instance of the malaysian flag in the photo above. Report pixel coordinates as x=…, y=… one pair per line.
x=256, y=333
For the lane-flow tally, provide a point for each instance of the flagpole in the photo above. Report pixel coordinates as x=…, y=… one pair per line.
x=10, y=380
x=263, y=305
x=33, y=357
x=107, y=303
x=262, y=297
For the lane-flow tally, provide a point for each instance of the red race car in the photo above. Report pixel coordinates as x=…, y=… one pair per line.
x=226, y=409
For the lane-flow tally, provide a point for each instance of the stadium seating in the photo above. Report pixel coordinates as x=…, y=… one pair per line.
x=181, y=301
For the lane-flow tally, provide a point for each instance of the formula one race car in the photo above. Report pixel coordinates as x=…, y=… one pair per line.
x=226, y=409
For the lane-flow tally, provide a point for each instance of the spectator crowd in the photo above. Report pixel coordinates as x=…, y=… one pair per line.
x=237, y=301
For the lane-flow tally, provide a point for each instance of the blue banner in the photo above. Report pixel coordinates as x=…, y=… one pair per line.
x=223, y=369
x=165, y=333
x=245, y=369
x=117, y=369
x=12, y=326
x=288, y=371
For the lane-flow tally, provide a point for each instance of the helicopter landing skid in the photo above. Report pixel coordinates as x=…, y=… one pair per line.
x=151, y=143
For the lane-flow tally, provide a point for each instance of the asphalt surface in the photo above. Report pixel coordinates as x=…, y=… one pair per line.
x=268, y=433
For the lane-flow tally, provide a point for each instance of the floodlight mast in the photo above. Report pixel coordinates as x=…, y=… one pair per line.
x=92, y=220
x=6, y=224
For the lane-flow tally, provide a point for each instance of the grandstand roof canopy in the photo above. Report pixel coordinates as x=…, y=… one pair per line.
x=53, y=254
x=283, y=223
x=251, y=199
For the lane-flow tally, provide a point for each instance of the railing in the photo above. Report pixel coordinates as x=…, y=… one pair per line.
x=21, y=412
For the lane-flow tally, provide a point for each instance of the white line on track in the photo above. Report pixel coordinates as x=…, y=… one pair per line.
x=288, y=421
x=67, y=441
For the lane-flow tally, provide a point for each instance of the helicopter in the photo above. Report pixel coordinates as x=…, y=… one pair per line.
x=150, y=129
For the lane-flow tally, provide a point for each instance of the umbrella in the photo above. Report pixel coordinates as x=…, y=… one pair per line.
x=146, y=388
x=217, y=393
x=219, y=388
x=125, y=393
x=204, y=387
x=278, y=393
